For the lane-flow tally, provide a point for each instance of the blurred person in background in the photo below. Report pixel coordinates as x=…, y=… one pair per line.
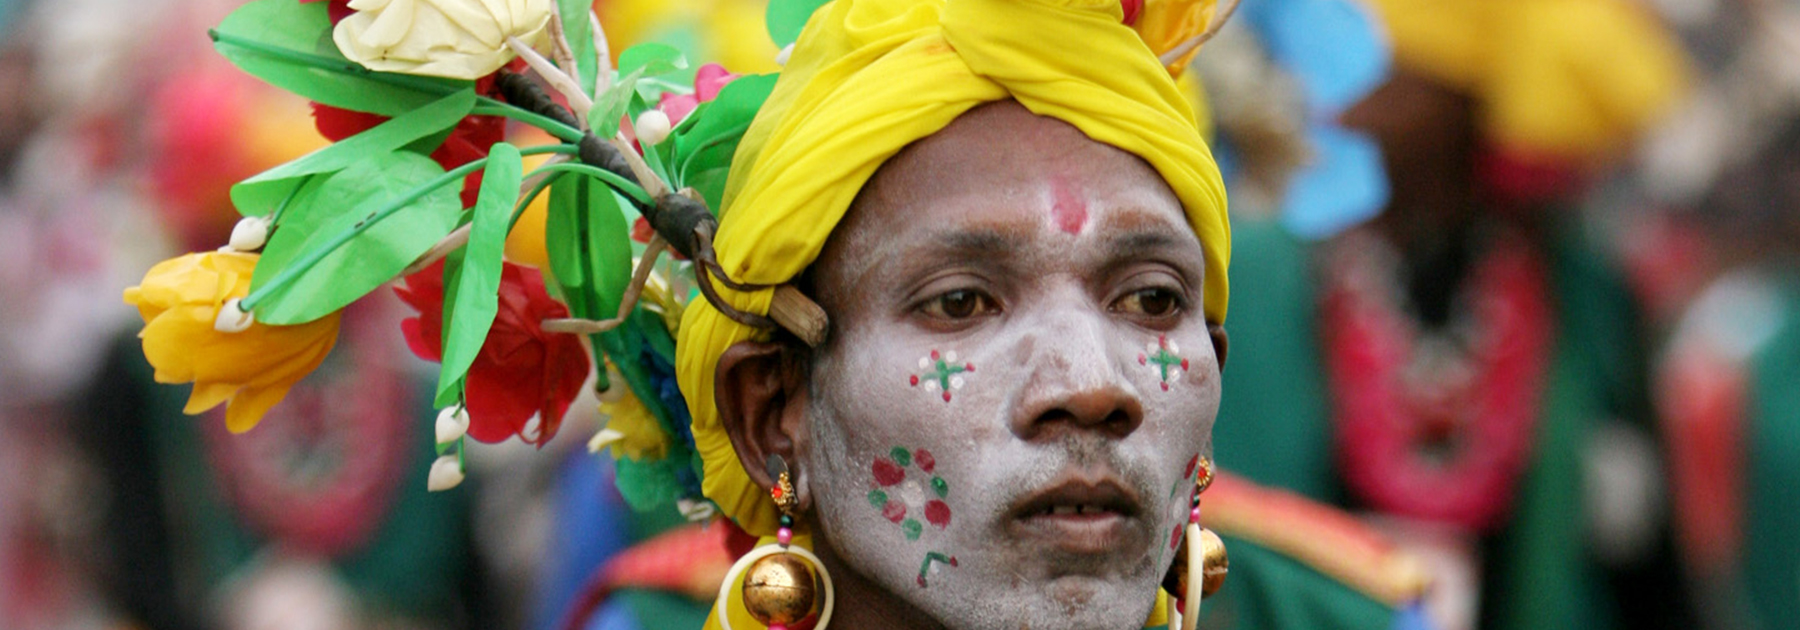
x=1727, y=175
x=1466, y=367
x=116, y=509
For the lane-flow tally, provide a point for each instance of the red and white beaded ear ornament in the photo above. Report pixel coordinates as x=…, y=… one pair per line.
x=779, y=587
x=1200, y=569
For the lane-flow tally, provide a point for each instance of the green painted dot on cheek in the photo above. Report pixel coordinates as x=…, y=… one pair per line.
x=877, y=498
x=913, y=528
x=941, y=487
x=901, y=456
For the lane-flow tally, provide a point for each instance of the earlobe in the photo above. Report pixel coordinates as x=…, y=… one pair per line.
x=760, y=390
x=1220, y=342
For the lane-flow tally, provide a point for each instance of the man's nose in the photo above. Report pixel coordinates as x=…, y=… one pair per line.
x=1074, y=384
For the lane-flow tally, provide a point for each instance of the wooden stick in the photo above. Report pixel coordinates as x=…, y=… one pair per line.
x=799, y=315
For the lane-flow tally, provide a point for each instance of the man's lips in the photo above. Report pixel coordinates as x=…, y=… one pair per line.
x=1078, y=513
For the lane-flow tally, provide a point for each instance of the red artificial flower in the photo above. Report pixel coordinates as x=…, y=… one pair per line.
x=521, y=370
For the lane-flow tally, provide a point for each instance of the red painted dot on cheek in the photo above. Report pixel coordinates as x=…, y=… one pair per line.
x=924, y=459
x=894, y=511
x=938, y=513
x=887, y=473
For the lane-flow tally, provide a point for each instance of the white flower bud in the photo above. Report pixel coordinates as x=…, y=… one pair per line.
x=652, y=127
x=233, y=318
x=695, y=511
x=250, y=234
x=452, y=423
x=446, y=473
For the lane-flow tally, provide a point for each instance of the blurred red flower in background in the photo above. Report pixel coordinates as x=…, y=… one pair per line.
x=521, y=370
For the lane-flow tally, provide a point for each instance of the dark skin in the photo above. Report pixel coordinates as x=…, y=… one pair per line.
x=1069, y=271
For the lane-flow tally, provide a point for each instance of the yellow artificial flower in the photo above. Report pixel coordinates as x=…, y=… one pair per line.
x=457, y=39
x=631, y=431
x=252, y=369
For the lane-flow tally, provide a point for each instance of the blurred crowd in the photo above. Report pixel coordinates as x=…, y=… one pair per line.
x=1520, y=284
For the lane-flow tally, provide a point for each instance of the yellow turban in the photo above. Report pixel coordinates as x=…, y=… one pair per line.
x=1565, y=80
x=868, y=77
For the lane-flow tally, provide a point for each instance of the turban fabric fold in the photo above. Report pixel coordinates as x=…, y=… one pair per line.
x=869, y=77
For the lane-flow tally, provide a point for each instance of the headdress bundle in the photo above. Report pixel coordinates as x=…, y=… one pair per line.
x=641, y=156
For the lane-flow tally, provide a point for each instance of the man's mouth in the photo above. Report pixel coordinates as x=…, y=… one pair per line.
x=1084, y=514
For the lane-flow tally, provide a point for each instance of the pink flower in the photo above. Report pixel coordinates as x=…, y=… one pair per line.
x=708, y=81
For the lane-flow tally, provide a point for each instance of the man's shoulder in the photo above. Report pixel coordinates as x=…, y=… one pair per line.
x=1296, y=563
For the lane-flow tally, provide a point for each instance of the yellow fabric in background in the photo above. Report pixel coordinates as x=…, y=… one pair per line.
x=869, y=77
x=1573, y=80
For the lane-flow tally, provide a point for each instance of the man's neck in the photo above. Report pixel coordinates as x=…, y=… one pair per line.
x=864, y=604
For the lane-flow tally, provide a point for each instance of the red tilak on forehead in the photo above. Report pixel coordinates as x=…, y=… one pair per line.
x=1067, y=207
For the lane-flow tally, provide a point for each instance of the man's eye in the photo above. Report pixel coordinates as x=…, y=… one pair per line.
x=960, y=304
x=1150, y=303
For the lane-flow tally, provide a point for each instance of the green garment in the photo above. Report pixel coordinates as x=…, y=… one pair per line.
x=1267, y=590
x=1275, y=428
x=1770, y=558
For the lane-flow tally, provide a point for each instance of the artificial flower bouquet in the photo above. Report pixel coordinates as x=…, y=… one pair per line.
x=420, y=186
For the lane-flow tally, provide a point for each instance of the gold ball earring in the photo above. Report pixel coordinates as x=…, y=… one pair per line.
x=780, y=586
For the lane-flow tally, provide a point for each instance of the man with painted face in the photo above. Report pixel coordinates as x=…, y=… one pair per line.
x=1007, y=212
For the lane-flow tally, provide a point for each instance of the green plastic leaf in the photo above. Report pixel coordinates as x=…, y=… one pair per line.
x=478, y=282
x=709, y=142
x=608, y=245
x=579, y=30
x=289, y=45
x=452, y=282
x=564, y=239
x=785, y=18
x=259, y=195
x=653, y=59
x=336, y=204
x=603, y=119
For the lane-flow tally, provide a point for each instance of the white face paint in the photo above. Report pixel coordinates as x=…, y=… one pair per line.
x=1032, y=275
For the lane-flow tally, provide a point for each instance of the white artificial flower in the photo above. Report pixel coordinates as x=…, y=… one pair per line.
x=457, y=39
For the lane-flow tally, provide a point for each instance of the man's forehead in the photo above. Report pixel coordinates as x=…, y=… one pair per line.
x=1002, y=143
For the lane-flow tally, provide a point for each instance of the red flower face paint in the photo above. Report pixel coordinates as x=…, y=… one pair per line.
x=521, y=371
x=898, y=496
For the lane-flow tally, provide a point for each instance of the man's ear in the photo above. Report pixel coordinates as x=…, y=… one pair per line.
x=761, y=391
x=1221, y=343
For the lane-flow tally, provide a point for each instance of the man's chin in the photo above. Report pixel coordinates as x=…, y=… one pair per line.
x=1048, y=590
x=1086, y=602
